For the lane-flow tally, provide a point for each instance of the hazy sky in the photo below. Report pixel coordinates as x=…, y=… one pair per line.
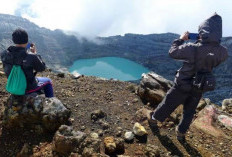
x=117, y=17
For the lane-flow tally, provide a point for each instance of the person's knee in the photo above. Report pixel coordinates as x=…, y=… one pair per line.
x=44, y=79
x=48, y=80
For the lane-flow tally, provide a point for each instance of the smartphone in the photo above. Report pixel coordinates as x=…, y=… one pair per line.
x=28, y=46
x=193, y=36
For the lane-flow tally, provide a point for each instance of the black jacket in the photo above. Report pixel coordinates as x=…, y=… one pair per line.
x=31, y=63
x=203, y=55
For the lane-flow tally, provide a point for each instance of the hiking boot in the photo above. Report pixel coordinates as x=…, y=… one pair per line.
x=180, y=136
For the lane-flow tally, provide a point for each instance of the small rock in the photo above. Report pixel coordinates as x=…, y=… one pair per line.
x=61, y=75
x=120, y=148
x=2, y=73
x=82, y=127
x=71, y=120
x=105, y=125
x=76, y=75
x=110, y=145
x=94, y=135
x=119, y=131
x=90, y=145
x=129, y=136
x=140, y=116
x=139, y=130
x=152, y=151
x=88, y=152
x=135, y=100
x=97, y=114
x=100, y=132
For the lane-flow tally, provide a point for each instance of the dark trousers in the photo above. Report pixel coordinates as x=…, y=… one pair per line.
x=172, y=100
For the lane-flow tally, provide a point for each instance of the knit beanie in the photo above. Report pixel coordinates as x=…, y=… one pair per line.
x=20, y=36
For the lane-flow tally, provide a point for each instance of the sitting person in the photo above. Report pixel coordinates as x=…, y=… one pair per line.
x=30, y=62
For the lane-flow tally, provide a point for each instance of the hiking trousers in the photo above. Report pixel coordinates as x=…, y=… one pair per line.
x=44, y=84
x=175, y=97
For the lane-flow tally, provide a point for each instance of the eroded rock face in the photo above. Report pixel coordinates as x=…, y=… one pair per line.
x=153, y=88
x=35, y=112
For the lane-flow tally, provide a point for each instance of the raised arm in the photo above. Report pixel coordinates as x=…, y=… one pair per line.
x=181, y=51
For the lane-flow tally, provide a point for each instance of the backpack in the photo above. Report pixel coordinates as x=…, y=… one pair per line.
x=203, y=81
x=16, y=82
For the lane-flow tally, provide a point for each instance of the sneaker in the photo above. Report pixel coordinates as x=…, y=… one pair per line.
x=180, y=136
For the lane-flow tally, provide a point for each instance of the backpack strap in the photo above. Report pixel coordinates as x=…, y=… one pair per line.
x=195, y=59
x=12, y=60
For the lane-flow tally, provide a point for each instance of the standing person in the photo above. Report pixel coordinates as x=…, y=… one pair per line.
x=205, y=54
x=30, y=62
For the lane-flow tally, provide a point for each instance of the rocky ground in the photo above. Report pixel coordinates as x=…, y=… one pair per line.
x=118, y=102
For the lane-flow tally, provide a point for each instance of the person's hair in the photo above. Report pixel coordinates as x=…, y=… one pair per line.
x=20, y=36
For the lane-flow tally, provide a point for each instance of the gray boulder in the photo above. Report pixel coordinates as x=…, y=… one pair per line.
x=153, y=87
x=35, y=112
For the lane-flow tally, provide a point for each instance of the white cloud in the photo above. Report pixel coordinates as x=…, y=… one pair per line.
x=112, y=17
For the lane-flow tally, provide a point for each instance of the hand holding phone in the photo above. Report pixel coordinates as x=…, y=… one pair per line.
x=184, y=36
x=32, y=47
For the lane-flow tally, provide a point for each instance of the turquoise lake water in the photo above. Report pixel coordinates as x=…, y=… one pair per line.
x=109, y=67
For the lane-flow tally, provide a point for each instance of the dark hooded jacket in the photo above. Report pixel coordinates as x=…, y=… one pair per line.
x=30, y=63
x=203, y=55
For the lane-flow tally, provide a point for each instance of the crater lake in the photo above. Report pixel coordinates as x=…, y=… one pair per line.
x=109, y=67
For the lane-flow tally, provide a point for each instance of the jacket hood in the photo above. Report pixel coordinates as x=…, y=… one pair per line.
x=210, y=30
x=18, y=54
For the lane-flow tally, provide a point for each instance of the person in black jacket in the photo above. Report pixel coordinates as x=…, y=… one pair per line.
x=30, y=62
x=204, y=55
